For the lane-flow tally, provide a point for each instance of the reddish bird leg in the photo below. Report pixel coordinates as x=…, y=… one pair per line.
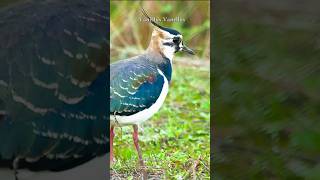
x=111, y=143
x=136, y=144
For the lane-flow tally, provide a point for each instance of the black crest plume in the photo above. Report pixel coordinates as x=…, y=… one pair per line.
x=171, y=31
x=150, y=20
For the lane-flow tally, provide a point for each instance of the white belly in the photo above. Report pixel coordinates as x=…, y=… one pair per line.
x=97, y=168
x=146, y=113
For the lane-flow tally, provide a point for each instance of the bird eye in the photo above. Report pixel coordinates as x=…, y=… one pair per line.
x=176, y=40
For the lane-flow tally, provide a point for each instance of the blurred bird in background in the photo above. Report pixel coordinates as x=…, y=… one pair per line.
x=54, y=89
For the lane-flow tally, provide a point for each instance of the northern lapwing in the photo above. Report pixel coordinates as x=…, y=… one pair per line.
x=54, y=87
x=139, y=85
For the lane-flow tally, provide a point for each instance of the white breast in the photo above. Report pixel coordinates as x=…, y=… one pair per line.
x=146, y=113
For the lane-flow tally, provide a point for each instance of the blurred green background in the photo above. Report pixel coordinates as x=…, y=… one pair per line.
x=176, y=141
x=267, y=101
x=129, y=36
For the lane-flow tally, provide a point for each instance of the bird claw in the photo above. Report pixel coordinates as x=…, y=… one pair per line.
x=112, y=160
x=144, y=174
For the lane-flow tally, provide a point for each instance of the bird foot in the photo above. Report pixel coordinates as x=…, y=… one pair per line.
x=144, y=173
x=112, y=161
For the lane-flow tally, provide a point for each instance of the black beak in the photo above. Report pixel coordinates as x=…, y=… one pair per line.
x=188, y=50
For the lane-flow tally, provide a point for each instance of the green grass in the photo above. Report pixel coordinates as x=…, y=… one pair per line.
x=175, y=142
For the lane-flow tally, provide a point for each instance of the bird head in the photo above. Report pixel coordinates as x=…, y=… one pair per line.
x=166, y=41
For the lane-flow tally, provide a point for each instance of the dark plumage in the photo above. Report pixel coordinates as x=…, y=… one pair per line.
x=53, y=83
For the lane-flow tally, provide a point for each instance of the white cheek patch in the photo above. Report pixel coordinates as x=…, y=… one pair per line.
x=168, y=52
x=180, y=45
x=167, y=41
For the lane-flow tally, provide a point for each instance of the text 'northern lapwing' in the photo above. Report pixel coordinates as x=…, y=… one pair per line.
x=139, y=85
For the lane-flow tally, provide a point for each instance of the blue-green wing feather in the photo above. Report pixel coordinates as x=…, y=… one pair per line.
x=135, y=85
